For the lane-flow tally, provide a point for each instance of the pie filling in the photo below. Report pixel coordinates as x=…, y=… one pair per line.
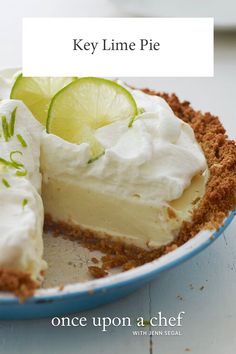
x=139, y=223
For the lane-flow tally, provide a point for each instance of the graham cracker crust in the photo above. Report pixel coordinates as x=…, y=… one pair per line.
x=20, y=283
x=218, y=200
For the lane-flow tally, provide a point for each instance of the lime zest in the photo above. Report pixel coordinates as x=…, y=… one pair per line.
x=12, y=121
x=24, y=202
x=5, y=162
x=5, y=183
x=5, y=128
x=8, y=128
x=141, y=110
x=21, y=173
x=15, y=163
x=21, y=140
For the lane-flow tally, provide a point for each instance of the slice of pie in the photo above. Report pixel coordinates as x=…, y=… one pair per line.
x=21, y=207
x=158, y=179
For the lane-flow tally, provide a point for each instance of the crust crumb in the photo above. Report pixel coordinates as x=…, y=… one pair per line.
x=95, y=260
x=97, y=272
x=171, y=213
x=113, y=261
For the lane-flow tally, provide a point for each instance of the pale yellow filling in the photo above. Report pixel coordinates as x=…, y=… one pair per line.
x=131, y=220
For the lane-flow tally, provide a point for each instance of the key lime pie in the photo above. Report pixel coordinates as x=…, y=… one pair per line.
x=132, y=173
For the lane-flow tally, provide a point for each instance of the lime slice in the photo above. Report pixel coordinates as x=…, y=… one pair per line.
x=85, y=105
x=37, y=92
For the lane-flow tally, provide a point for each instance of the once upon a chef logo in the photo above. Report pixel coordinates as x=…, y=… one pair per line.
x=156, y=325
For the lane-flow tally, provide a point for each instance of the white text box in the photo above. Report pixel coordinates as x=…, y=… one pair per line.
x=114, y=47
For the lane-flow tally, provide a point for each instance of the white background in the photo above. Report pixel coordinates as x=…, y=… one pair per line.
x=186, y=47
x=210, y=322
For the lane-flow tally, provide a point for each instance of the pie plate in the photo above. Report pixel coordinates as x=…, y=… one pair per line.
x=57, y=301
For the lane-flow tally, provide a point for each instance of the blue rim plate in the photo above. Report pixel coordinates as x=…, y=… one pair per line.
x=82, y=296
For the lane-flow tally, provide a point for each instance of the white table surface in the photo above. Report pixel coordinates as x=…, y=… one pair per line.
x=204, y=287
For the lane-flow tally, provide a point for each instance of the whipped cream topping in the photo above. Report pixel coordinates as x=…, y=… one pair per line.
x=21, y=208
x=154, y=160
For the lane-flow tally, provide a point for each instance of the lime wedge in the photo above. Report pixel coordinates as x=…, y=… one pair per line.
x=37, y=92
x=85, y=105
